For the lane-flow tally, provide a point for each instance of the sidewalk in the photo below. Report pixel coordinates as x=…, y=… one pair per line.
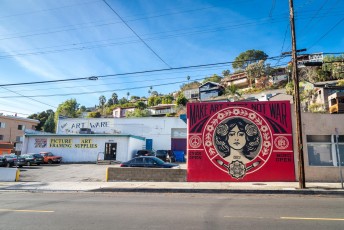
x=177, y=187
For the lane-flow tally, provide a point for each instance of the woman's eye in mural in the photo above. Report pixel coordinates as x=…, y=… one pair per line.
x=241, y=134
x=232, y=134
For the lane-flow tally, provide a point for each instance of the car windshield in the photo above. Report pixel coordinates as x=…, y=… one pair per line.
x=36, y=155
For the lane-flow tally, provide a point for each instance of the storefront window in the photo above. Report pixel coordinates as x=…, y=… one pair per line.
x=341, y=153
x=322, y=150
x=320, y=154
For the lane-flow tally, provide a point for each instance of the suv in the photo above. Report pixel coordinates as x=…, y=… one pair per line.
x=50, y=158
x=144, y=152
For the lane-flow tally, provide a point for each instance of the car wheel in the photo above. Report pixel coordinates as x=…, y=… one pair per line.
x=50, y=162
x=20, y=166
x=38, y=164
x=28, y=164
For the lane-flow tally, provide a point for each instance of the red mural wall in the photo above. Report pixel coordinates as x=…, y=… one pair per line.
x=240, y=141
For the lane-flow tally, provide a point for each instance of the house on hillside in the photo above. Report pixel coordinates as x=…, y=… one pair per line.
x=322, y=94
x=191, y=94
x=120, y=112
x=336, y=102
x=280, y=74
x=162, y=110
x=240, y=80
x=210, y=90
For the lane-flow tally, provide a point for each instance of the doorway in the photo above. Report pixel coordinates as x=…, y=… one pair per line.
x=110, y=151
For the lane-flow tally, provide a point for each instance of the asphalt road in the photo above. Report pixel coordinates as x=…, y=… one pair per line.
x=52, y=211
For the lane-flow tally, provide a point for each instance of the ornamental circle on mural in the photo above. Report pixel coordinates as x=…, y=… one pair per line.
x=238, y=141
x=281, y=142
x=195, y=142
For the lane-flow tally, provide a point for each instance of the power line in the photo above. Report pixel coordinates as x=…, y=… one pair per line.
x=104, y=91
x=28, y=97
x=324, y=35
x=133, y=73
x=136, y=34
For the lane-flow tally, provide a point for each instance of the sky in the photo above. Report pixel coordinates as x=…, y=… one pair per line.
x=135, y=45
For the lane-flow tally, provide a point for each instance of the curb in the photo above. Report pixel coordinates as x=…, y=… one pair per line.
x=222, y=191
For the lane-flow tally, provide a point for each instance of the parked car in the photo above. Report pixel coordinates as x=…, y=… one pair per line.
x=3, y=161
x=50, y=158
x=161, y=154
x=148, y=162
x=144, y=152
x=33, y=159
x=14, y=160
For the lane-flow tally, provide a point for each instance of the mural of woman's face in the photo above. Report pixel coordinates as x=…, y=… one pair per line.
x=236, y=138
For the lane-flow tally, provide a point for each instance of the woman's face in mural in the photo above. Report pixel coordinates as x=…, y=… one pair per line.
x=236, y=138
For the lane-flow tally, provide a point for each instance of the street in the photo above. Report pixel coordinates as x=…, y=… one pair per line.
x=52, y=211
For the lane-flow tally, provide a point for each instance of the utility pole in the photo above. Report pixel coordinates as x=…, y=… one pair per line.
x=295, y=76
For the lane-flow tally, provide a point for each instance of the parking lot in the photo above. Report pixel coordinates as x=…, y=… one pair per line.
x=66, y=172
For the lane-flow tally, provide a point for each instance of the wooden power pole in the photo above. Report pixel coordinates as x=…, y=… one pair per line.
x=295, y=76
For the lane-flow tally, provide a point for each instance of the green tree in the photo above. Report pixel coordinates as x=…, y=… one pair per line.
x=69, y=108
x=233, y=91
x=181, y=100
x=289, y=88
x=340, y=83
x=214, y=78
x=82, y=108
x=42, y=117
x=255, y=70
x=334, y=65
x=191, y=85
x=109, y=102
x=141, y=105
x=137, y=113
x=114, y=98
x=94, y=115
x=226, y=73
x=102, y=100
x=49, y=125
x=122, y=101
x=248, y=57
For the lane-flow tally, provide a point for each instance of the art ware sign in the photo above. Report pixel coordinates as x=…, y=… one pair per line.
x=247, y=141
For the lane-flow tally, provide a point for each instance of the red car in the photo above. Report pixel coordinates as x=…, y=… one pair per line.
x=50, y=158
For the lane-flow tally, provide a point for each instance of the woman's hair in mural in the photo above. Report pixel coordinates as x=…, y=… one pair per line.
x=252, y=136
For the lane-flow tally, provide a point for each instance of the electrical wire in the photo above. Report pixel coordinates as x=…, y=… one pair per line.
x=138, y=36
x=133, y=73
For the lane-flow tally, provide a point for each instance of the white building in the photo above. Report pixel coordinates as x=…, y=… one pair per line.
x=81, y=139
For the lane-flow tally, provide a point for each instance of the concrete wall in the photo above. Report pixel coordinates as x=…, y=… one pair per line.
x=317, y=124
x=84, y=154
x=145, y=174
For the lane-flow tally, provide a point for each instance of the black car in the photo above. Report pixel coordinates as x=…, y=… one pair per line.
x=144, y=152
x=14, y=160
x=33, y=158
x=3, y=161
x=148, y=162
